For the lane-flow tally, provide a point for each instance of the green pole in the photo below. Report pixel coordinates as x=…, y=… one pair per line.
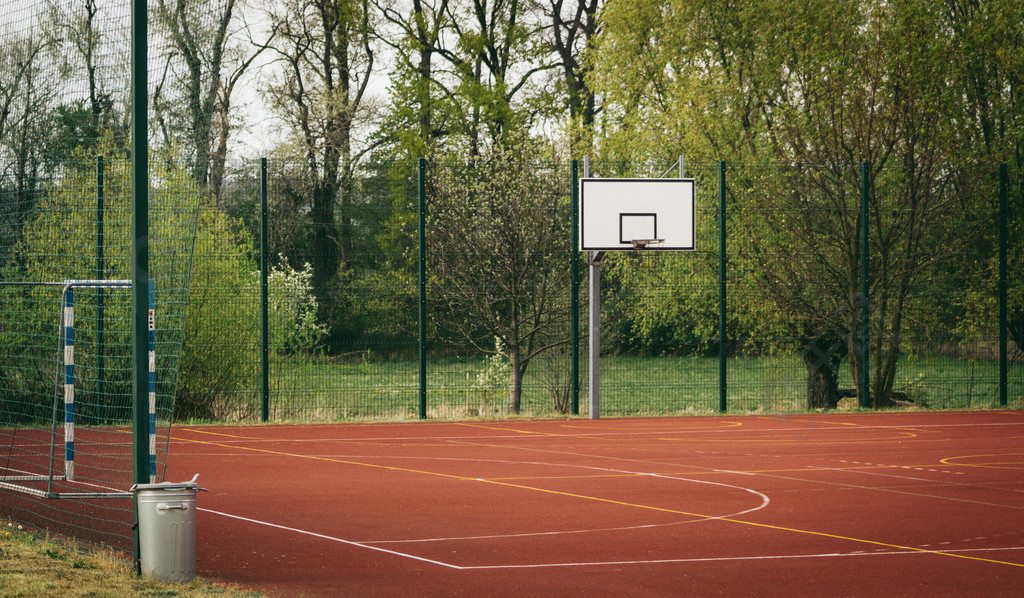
x=1003, y=283
x=264, y=296
x=865, y=271
x=574, y=273
x=422, y=325
x=100, y=350
x=722, y=330
x=139, y=254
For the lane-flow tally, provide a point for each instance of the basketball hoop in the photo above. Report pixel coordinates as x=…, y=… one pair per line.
x=647, y=243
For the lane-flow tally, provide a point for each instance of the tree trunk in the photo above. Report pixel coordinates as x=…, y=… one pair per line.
x=515, y=383
x=822, y=354
x=324, y=252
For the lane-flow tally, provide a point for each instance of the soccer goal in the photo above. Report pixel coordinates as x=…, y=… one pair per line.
x=66, y=415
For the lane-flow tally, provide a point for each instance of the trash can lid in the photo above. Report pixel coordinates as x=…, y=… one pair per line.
x=169, y=486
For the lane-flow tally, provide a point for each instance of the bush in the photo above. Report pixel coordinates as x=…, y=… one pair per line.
x=220, y=357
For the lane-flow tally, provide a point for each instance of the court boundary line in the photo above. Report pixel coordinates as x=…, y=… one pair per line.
x=904, y=550
x=519, y=434
x=547, y=491
x=493, y=441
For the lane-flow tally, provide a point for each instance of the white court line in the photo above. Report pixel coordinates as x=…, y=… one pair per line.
x=726, y=559
x=333, y=539
x=765, y=501
x=907, y=477
x=608, y=563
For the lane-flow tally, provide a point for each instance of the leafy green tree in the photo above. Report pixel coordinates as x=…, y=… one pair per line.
x=326, y=51
x=829, y=85
x=468, y=73
x=59, y=243
x=497, y=230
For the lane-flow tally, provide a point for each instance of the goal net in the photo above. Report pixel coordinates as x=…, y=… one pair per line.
x=68, y=191
x=78, y=385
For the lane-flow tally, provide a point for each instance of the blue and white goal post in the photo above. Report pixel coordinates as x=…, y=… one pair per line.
x=68, y=323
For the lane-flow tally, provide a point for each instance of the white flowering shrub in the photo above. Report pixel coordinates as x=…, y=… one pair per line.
x=492, y=380
x=293, y=307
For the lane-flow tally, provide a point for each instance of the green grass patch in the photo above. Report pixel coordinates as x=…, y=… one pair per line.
x=39, y=567
x=370, y=388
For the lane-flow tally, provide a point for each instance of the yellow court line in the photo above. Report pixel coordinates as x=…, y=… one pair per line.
x=530, y=432
x=664, y=429
x=218, y=434
x=698, y=470
x=724, y=471
x=948, y=461
x=857, y=425
x=611, y=501
x=762, y=525
x=794, y=439
x=483, y=427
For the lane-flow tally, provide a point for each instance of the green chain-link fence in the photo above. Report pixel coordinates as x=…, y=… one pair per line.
x=75, y=434
x=344, y=295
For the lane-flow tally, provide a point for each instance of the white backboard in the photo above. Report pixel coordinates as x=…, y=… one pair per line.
x=616, y=212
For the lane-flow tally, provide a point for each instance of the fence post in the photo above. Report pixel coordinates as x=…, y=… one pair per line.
x=100, y=350
x=574, y=273
x=421, y=172
x=1003, y=282
x=865, y=270
x=264, y=297
x=722, y=331
x=140, y=251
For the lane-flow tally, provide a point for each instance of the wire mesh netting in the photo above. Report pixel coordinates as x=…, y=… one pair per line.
x=66, y=246
x=497, y=269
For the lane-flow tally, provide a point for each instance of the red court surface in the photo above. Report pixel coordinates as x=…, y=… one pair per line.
x=911, y=504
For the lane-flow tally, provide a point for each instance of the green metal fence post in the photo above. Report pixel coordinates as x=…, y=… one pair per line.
x=421, y=172
x=574, y=272
x=264, y=297
x=140, y=251
x=1003, y=283
x=865, y=271
x=100, y=349
x=722, y=320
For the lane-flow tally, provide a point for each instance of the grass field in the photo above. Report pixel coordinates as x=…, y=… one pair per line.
x=33, y=566
x=373, y=388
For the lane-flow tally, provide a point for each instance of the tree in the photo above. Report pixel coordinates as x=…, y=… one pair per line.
x=828, y=85
x=59, y=243
x=81, y=31
x=418, y=117
x=324, y=49
x=26, y=99
x=467, y=72
x=497, y=232
x=574, y=27
x=204, y=65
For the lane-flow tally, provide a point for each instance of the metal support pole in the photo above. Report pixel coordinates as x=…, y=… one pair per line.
x=101, y=401
x=264, y=297
x=723, y=338
x=422, y=325
x=595, y=335
x=1003, y=283
x=574, y=307
x=140, y=250
x=865, y=272
x=594, y=338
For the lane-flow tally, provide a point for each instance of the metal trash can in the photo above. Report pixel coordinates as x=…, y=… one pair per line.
x=167, y=529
